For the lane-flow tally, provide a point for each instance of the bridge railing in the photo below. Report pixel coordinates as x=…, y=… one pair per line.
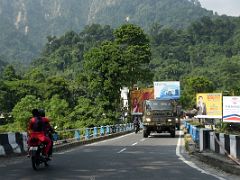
x=15, y=143
x=194, y=131
x=69, y=135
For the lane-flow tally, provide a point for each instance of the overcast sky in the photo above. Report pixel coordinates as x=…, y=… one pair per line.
x=228, y=7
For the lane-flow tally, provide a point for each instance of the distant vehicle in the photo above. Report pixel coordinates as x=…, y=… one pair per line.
x=160, y=116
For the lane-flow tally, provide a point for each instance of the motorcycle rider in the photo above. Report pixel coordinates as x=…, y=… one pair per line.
x=136, y=122
x=36, y=130
x=48, y=129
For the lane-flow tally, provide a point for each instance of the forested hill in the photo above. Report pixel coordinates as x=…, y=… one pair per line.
x=25, y=24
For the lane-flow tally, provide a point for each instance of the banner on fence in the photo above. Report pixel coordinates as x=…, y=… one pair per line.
x=209, y=105
x=231, y=109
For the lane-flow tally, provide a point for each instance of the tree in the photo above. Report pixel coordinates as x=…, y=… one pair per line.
x=57, y=86
x=115, y=64
x=192, y=86
x=57, y=110
x=9, y=73
x=136, y=54
x=22, y=110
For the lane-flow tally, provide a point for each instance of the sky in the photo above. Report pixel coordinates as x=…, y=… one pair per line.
x=228, y=7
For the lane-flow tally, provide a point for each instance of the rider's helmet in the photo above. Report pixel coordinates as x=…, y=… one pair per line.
x=35, y=112
x=41, y=112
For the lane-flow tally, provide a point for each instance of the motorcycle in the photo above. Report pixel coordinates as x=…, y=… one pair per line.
x=36, y=154
x=136, y=128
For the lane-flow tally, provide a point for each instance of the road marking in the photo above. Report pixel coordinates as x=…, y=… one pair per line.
x=191, y=164
x=124, y=149
x=134, y=143
x=142, y=140
x=66, y=151
x=92, y=144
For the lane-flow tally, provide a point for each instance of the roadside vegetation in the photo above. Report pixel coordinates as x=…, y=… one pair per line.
x=78, y=76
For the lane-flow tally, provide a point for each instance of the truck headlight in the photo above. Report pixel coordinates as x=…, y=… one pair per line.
x=148, y=113
x=169, y=120
x=148, y=119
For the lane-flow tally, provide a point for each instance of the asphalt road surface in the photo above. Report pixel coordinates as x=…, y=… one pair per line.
x=128, y=157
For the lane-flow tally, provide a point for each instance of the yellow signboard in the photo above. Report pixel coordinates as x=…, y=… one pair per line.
x=209, y=104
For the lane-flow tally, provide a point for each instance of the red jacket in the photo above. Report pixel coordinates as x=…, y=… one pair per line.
x=38, y=124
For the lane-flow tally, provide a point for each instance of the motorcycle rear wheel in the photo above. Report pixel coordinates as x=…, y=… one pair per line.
x=35, y=163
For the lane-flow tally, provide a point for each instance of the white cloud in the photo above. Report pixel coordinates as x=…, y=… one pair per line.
x=228, y=7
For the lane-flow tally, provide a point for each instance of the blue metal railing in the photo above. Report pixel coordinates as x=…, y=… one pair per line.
x=90, y=133
x=193, y=131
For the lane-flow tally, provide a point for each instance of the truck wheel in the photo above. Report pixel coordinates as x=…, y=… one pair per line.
x=145, y=134
x=173, y=134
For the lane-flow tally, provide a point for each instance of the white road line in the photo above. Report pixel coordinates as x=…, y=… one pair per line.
x=191, y=164
x=142, y=140
x=134, y=143
x=92, y=144
x=66, y=151
x=124, y=149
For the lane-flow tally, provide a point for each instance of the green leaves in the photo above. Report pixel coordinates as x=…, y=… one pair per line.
x=57, y=109
x=22, y=110
x=112, y=65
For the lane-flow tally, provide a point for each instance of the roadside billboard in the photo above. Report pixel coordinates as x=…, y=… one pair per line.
x=209, y=105
x=137, y=98
x=167, y=90
x=231, y=109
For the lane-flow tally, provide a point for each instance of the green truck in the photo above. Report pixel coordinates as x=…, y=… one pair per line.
x=160, y=116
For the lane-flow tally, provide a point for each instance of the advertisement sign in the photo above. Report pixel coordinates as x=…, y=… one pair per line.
x=137, y=98
x=167, y=90
x=231, y=109
x=209, y=105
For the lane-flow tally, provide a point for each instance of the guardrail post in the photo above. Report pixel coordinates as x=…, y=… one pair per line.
x=233, y=145
x=185, y=124
x=227, y=143
x=238, y=146
x=87, y=135
x=212, y=141
x=194, y=133
x=127, y=126
x=77, y=135
x=204, y=139
x=124, y=127
x=130, y=126
x=102, y=131
x=222, y=141
x=108, y=129
x=95, y=132
x=116, y=128
x=188, y=128
x=197, y=135
x=113, y=129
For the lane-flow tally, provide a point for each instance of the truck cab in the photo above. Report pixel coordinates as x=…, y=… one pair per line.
x=159, y=116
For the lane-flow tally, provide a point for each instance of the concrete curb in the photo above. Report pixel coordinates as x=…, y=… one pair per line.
x=73, y=144
x=218, y=161
x=76, y=143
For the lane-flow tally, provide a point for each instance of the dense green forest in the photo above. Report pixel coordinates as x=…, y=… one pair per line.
x=78, y=75
x=25, y=24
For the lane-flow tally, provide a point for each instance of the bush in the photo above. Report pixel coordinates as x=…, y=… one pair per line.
x=228, y=128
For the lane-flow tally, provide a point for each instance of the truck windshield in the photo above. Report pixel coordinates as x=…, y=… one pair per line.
x=158, y=105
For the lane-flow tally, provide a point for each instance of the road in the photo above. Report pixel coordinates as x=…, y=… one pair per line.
x=129, y=157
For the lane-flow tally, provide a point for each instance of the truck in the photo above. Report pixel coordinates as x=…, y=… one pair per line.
x=157, y=107
x=160, y=116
